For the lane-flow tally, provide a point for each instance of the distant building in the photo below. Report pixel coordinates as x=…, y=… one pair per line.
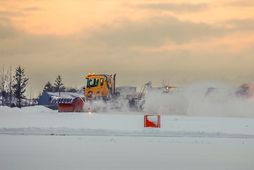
x=48, y=98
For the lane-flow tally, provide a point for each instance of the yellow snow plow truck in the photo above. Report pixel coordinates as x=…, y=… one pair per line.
x=98, y=87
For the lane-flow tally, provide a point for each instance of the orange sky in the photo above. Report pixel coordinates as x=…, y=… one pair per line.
x=175, y=41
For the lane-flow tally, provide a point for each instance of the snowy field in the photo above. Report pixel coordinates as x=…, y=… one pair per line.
x=39, y=138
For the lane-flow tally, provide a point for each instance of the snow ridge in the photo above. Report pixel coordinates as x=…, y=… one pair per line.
x=35, y=131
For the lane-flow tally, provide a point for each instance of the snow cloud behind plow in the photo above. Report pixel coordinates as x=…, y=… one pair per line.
x=200, y=99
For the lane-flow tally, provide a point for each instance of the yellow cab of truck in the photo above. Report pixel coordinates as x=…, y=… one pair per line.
x=99, y=86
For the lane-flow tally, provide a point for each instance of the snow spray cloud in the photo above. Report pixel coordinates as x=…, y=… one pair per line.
x=165, y=103
x=119, y=105
x=202, y=99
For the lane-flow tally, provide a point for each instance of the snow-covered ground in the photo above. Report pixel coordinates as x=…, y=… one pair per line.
x=39, y=138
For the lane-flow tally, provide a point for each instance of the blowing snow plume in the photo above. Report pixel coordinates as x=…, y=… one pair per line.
x=203, y=99
x=119, y=105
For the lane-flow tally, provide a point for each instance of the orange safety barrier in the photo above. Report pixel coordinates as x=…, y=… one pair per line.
x=152, y=120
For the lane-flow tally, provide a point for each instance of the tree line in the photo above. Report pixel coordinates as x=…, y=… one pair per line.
x=13, y=87
x=58, y=86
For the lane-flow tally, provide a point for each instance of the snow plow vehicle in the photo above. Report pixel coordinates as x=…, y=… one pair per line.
x=98, y=87
x=100, y=94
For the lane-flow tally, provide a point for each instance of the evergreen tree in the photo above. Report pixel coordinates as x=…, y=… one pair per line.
x=48, y=87
x=19, y=86
x=59, y=87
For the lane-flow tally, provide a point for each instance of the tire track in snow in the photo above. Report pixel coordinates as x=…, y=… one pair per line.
x=34, y=131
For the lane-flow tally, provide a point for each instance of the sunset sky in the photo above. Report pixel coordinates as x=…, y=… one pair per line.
x=178, y=42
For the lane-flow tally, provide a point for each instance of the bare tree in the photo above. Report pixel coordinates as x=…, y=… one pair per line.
x=3, y=86
x=6, y=89
x=10, y=91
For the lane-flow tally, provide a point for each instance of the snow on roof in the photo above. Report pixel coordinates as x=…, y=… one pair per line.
x=65, y=97
x=65, y=94
x=58, y=100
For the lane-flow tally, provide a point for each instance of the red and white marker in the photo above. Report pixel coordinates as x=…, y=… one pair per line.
x=152, y=121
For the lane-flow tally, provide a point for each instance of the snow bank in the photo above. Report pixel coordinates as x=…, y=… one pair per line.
x=34, y=109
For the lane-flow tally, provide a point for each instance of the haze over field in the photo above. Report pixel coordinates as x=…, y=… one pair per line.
x=179, y=42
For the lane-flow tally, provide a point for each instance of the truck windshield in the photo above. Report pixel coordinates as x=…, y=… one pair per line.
x=92, y=82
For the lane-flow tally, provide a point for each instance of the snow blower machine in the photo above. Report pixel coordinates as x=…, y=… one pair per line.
x=99, y=87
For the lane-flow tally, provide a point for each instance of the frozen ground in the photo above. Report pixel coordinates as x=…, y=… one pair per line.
x=38, y=138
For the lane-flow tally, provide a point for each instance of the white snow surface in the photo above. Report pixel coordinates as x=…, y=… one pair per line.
x=42, y=118
x=40, y=138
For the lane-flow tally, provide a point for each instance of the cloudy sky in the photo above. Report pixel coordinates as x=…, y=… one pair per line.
x=178, y=42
